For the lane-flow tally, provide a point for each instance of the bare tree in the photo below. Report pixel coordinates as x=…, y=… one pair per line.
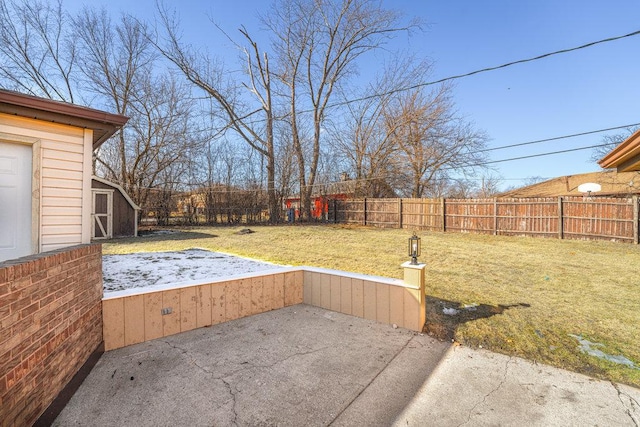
x=317, y=45
x=37, y=49
x=154, y=149
x=489, y=186
x=531, y=180
x=611, y=141
x=253, y=123
x=367, y=140
x=431, y=138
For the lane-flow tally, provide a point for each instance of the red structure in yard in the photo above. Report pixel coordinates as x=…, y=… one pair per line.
x=320, y=206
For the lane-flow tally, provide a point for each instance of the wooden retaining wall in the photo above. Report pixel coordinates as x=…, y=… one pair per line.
x=597, y=218
x=131, y=318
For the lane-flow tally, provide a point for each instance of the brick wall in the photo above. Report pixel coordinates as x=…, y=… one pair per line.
x=50, y=323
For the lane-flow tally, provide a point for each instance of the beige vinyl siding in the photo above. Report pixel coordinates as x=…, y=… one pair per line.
x=63, y=187
x=62, y=193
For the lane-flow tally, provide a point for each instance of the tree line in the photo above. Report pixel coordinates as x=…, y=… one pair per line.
x=297, y=117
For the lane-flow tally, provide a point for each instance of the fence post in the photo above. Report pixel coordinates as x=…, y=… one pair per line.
x=400, y=212
x=364, y=213
x=560, y=219
x=495, y=216
x=635, y=220
x=444, y=214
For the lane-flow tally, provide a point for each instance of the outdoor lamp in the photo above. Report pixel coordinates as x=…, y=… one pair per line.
x=414, y=248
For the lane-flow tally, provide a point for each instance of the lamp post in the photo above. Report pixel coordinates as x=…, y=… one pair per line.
x=414, y=248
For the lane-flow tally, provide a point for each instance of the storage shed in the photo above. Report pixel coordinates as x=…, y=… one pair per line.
x=114, y=213
x=46, y=150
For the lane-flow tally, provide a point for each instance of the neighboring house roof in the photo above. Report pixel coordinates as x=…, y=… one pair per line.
x=120, y=189
x=103, y=124
x=613, y=183
x=625, y=157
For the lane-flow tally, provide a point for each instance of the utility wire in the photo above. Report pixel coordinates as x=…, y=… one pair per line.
x=471, y=73
x=550, y=153
x=484, y=70
x=557, y=138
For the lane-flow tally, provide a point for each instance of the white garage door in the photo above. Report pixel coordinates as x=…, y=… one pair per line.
x=15, y=201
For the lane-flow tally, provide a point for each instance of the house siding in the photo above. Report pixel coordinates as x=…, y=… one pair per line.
x=63, y=185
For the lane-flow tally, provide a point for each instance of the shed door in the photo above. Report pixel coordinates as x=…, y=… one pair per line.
x=15, y=200
x=102, y=214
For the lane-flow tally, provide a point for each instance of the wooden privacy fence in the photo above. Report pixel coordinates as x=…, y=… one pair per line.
x=604, y=218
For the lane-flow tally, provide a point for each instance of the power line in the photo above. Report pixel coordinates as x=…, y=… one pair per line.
x=484, y=70
x=556, y=138
x=550, y=153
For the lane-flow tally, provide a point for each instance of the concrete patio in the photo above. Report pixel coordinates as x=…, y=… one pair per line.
x=304, y=365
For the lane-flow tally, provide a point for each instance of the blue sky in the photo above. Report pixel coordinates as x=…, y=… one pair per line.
x=576, y=92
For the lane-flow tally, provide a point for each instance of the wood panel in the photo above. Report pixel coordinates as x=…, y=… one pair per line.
x=325, y=291
x=336, y=292
x=188, y=309
x=257, y=295
x=231, y=298
x=267, y=289
x=153, y=316
x=382, y=303
x=290, y=293
x=278, y=291
x=244, y=297
x=299, y=287
x=357, y=297
x=370, y=305
x=396, y=305
x=218, y=303
x=113, y=323
x=345, y=295
x=171, y=321
x=203, y=306
x=134, y=320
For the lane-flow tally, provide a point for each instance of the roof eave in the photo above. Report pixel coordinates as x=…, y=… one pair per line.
x=625, y=157
x=103, y=124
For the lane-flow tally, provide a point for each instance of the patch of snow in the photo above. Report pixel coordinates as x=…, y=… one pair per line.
x=450, y=311
x=142, y=270
x=587, y=347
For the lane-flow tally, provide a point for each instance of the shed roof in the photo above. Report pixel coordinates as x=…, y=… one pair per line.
x=613, y=183
x=625, y=157
x=119, y=188
x=103, y=124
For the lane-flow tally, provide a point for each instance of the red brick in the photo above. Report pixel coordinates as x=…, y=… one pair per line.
x=47, y=300
x=20, y=304
x=60, y=326
x=46, y=338
x=18, y=350
x=10, y=273
x=5, y=289
x=20, y=283
x=7, y=363
x=25, y=312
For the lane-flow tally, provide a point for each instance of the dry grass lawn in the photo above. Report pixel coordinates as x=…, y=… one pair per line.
x=523, y=296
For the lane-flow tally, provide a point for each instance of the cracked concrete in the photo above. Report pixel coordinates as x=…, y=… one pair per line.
x=631, y=405
x=473, y=410
x=304, y=365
